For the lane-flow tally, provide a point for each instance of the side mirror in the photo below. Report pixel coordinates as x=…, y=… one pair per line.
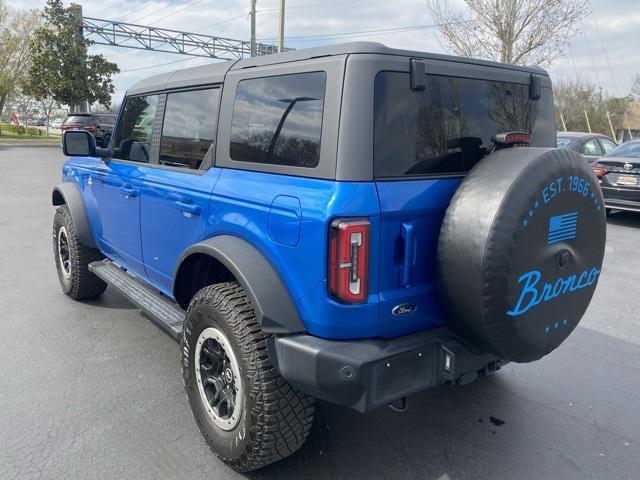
x=78, y=143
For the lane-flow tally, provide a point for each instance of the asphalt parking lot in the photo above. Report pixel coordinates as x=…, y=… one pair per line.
x=94, y=390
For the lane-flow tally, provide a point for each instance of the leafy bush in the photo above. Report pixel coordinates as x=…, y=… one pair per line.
x=20, y=130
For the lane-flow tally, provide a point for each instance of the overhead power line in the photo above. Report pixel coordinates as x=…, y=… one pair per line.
x=381, y=31
x=190, y=5
x=309, y=5
x=604, y=50
x=146, y=67
x=143, y=7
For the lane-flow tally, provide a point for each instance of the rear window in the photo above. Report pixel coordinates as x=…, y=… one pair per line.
x=278, y=120
x=79, y=120
x=108, y=119
x=629, y=150
x=564, y=142
x=447, y=127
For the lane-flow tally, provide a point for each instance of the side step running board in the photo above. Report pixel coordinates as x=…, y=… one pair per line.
x=163, y=311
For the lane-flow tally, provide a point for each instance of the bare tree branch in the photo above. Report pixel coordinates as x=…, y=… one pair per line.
x=522, y=32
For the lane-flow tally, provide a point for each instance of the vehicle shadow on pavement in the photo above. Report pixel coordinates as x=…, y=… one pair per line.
x=111, y=298
x=442, y=429
x=624, y=219
x=549, y=419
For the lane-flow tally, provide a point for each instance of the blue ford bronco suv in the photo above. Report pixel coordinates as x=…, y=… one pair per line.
x=349, y=223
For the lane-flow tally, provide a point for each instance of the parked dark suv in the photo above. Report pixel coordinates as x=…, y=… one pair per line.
x=351, y=223
x=99, y=124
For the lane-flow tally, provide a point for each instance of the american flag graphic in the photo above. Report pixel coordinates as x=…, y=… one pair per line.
x=562, y=227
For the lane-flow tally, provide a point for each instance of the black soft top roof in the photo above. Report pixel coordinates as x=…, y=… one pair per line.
x=215, y=72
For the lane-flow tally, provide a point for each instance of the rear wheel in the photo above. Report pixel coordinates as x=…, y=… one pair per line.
x=73, y=258
x=249, y=415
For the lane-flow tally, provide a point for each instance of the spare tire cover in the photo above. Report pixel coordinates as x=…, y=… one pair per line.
x=520, y=250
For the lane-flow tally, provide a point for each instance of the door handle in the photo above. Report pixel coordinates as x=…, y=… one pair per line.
x=408, y=231
x=188, y=207
x=129, y=192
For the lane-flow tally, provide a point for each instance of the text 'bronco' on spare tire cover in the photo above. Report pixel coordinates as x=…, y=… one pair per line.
x=520, y=250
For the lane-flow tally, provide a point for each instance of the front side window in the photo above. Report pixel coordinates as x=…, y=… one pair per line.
x=135, y=129
x=189, y=127
x=278, y=120
x=448, y=127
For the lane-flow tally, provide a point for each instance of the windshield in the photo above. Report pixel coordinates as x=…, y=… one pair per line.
x=447, y=128
x=628, y=150
x=564, y=142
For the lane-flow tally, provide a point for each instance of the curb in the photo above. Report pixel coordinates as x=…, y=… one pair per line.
x=5, y=146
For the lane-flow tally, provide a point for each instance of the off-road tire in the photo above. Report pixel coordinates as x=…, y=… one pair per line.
x=79, y=283
x=275, y=418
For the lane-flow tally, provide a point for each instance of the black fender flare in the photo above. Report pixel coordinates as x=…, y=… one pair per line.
x=68, y=194
x=274, y=308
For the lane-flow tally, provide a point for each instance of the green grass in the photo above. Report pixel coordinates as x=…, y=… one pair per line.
x=11, y=134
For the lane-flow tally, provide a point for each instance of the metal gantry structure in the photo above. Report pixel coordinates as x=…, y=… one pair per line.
x=141, y=37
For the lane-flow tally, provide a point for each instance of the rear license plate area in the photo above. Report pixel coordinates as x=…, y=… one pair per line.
x=627, y=180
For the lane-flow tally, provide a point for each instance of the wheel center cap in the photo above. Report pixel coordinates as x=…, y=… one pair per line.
x=228, y=375
x=563, y=259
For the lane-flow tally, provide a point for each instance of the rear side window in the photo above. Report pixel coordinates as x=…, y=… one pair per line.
x=591, y=147
x=607, y=145
x=135, y=128
x=447, y=128
x=278, y=120
x=189, y=127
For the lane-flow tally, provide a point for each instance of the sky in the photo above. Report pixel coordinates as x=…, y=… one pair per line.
x=605, y=51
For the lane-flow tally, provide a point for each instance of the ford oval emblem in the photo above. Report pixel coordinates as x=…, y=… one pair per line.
x=403, y=309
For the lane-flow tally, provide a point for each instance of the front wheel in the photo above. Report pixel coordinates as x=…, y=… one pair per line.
x=73, y=258
x=249, y=415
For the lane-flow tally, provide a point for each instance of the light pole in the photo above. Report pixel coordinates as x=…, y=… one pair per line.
x=253, y=28
x=281, y=28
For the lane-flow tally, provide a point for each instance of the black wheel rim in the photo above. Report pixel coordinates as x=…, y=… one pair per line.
x=218, y=378
x=64, y=254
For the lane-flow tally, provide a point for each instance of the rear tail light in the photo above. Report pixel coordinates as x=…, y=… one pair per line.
x=600, y=171
x=512, y=138
x=349, y=241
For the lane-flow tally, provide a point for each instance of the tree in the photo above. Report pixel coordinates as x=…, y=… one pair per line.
x=520, y=32
x=635, y=88
x=16, y=28
x=572, y=99
x=60, y=67
x=575, y=97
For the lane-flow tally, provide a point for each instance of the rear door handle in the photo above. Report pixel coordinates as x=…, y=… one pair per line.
x=188, y=207
x=129, y=192
x=408, y=231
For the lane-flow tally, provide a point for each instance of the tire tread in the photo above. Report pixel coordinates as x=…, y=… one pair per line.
x=281, y=416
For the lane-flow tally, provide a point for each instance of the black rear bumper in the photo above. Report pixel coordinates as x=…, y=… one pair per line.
x=365, y=374
x=621, y=199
